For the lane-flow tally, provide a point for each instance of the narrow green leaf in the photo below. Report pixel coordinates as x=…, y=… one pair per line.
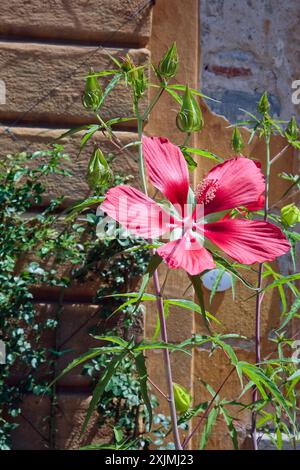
x=220, y=261
x=119, y=437
x=282, y=281
x=91, y=354
x=190, y=305
x=113, y=339
x=103, y=73
x=292, y=313
x=111, y=85
x=197, y=284
x=74, y=130
x=100, y=387
x=143, y=377
x=216, y=284
x=261, y=379
x=202, y=153
x=188, y=415
x=232, y=431
x=79, y=207
x=211, y=421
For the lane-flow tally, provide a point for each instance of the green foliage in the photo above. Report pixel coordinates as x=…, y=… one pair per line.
x=46, y=236
x=22, y=233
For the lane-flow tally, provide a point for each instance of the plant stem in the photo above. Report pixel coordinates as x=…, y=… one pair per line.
x=160, y=306
x=141, y=157
x=167, y=362
x=153, y=103
x=190, y=435
x=259, y=296
x=274, y=159
x=187, y=138
x=157, y=388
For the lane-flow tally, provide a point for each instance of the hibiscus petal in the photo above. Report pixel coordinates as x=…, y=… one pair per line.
x=256, y=206
x=137, y=212
x=192, y=257
x=248, y=241
x=167, y=169
x=238, y=182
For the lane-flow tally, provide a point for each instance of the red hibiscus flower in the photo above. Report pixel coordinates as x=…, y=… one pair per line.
x=193, y=219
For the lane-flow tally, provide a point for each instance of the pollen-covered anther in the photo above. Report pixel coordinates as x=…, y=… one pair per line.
x=206, y=191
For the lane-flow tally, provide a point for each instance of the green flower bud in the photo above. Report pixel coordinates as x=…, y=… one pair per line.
x=134, y=76
x=189, y=118
x=139, y=82
x=263, y=104
x=127, y=64
x=92, y=94
x=99, y=174
x=290, y=215
x=237, y=140
x=182, y=397
x=168, y=65
x=292, y=129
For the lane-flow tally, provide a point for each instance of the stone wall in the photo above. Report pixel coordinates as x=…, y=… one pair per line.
x=247, y=47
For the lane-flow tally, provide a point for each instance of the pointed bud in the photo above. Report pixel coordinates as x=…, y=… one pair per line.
x=99, y=174
x=134, y=76
x=168, y=65
x=182, y=397
x=127, y=64
x=139, y=82
x=263, y=104
x=92, y=95
x=292, y=129
x=290, y=215
x=237, y=140
x=189, y=118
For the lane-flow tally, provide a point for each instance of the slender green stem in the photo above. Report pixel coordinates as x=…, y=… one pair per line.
x=274, y=159
x=160, y=307
x=187, y=138
x=153, y=103
x=259, y=296
x=141, y=157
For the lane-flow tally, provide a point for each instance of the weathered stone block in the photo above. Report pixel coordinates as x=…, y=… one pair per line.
x=32, y=432
x=116, y=21
x=44, y=83
x=75, y=187
x=72, y=409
